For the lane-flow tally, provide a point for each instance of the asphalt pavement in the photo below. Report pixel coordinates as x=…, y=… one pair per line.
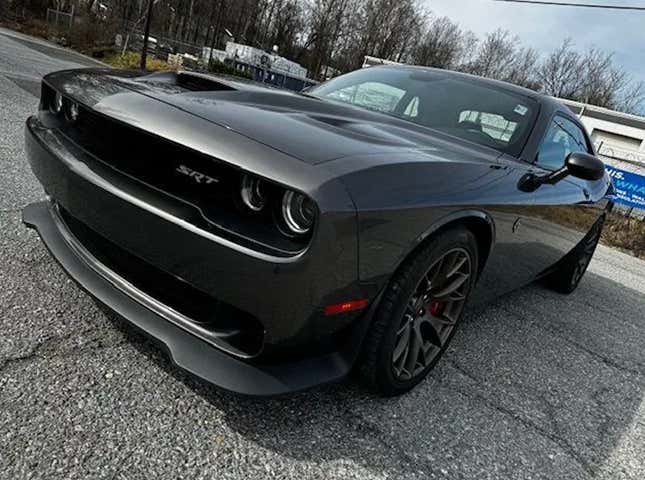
x=536, y=385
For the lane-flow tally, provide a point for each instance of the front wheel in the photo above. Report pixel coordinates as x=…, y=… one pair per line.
x=419, y=312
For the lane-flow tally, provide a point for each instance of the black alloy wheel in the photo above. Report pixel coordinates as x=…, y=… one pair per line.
x=431, y=314
x=419, y=312
x=584, y=258
x=567, y=276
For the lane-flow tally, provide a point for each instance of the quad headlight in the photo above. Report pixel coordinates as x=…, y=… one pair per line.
x=294, y=213
x=56, y=105
x=71, y=111
x=253, y=193
x=62, y=106
x=298, y=212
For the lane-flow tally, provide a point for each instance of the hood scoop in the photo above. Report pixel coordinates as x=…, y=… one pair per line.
x=178, y=82
x=201, y=83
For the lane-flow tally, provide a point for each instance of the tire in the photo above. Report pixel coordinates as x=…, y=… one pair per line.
x=419, y=288
x=566, y=277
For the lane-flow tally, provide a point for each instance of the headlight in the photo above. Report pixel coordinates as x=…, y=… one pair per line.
x=253, y=193
x=57, y=104
x=71, y=112
x=298, y=212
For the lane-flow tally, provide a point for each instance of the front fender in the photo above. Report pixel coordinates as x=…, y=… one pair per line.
x=380, y=255
x=479, y=220
x=400, y=204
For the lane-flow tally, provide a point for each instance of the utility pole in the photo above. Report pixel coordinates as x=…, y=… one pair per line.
x=220, y=8
x=146, y=34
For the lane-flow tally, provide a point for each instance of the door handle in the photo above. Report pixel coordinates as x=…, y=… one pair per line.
x=586, y=192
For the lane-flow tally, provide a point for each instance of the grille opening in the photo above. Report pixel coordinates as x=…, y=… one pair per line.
x=233, y=327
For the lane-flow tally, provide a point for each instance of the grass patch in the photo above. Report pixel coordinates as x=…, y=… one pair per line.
x=625, y=233
x=621, y=232
x=132, y=61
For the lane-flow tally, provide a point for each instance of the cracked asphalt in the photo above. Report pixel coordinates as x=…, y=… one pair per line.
x=537, y=385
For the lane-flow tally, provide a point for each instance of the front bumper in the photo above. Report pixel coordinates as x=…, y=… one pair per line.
x=291, y=294
x=187, y=352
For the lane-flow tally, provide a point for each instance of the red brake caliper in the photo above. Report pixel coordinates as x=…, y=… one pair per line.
x=435, y=308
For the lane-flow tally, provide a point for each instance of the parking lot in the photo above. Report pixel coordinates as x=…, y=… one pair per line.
x=537, y=385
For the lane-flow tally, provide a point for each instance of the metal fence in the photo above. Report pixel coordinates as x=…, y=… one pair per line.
x=633, y=157
x=58, y=20
x=133, y=31
x=161, y=46
x=272, y=77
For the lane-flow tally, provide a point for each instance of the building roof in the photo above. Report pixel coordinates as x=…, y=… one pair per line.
x=606, y=114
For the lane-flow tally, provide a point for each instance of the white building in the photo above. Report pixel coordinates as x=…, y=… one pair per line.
x=619, y=137
x=255, y=56
x=216, y=55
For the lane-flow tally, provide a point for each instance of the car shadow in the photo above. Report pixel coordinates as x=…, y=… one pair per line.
x=535, y=382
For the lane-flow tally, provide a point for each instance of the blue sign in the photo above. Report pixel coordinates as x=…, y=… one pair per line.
x=630, y=187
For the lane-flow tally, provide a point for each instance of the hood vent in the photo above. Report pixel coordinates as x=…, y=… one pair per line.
x=201, y=83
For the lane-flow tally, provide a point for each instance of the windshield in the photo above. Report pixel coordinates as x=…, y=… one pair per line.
x=446, y=102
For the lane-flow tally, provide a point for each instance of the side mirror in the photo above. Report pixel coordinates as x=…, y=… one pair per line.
x=578, y=164
x=585, y=166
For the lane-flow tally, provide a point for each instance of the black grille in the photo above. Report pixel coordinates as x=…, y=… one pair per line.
x=243, y=331
x=206, y=184
x=156, y=162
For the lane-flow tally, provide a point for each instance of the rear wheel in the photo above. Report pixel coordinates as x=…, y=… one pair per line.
x=566, y=277
x=419, y=312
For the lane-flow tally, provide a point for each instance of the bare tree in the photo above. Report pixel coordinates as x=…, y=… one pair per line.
x=522, y=70
x=632, y=98
x=591, y=77
x=288, y=23
x=442, y=44
x=339, y=33
x=561, y=70
x=500, y=56
x=326, y=19
x=601, y=81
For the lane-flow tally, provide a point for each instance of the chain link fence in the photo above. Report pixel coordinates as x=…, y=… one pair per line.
x=59, y=22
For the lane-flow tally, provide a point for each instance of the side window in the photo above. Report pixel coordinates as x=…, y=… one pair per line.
x=562, y=138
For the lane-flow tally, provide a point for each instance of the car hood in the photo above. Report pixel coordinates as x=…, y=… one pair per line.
x=302, y=126
x=307, y=128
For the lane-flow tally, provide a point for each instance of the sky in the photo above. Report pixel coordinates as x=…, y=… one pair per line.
x=545, y=27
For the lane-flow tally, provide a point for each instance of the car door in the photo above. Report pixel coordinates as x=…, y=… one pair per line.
x=562, y=213
x=535, y=229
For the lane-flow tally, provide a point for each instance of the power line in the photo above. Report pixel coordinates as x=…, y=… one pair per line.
x=568, y=4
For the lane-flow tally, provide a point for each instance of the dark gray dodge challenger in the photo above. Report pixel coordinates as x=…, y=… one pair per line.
x=272, y=241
